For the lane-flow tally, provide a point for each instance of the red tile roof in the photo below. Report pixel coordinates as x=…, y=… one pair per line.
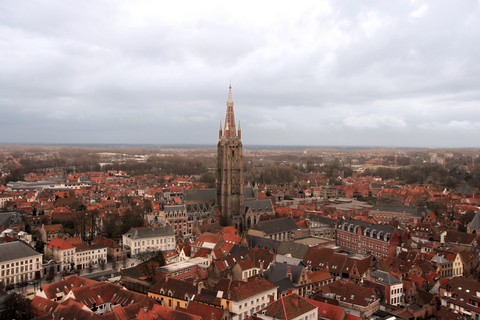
x=249, y=289
x=60, y=244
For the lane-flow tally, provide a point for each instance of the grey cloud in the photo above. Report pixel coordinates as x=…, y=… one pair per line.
x=396, y=73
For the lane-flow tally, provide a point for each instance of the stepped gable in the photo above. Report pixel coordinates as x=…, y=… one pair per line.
x=361, y=262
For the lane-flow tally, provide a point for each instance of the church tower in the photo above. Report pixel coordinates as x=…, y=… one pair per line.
x=229, y=184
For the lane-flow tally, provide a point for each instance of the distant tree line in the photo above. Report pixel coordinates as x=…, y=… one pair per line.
x=178, y=165
x=434, y=174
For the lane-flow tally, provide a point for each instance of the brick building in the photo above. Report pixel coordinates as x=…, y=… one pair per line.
x=364, y=237
x=385, y=213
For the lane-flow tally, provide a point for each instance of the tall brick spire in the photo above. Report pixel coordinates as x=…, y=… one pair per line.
x=229, y=183
x=230, y=130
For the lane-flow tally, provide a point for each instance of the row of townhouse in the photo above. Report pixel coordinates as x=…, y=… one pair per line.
x=240, y=299
x=75, y=255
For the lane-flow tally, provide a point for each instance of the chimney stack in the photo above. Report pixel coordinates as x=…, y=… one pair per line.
x=289, y=273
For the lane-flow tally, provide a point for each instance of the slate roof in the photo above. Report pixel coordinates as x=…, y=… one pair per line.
x=296, y=250
x=323, y=220
x=284, y=285
x=143, y=233
x=412, y=210
x=260, y=242
x=465, y=190
x=174, y=209
x=385, y=278
x=248, y=193
x=238, y=249
x=278, y=272
x=276, y=226
x=257, y=206
x=475, y=223
x=371, y=226
x=16, y=250
x=9, y=218
x=199, y=195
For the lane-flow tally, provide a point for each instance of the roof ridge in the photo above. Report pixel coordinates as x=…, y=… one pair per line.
x=283, y=305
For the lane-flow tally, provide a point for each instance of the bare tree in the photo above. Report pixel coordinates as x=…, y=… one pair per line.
x=103, y=264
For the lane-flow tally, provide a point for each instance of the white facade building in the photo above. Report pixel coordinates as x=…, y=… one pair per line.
x=61, y=251
x=18, y=263
x=139, y=240
x=251, y=297
x=86, y=253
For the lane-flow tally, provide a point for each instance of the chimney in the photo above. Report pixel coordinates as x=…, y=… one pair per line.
x=261, y=267
x=272, y=298
x=146, y=309
x=289, y=273
x=200, y=286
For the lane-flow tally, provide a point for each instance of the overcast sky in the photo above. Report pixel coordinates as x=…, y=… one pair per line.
x=330, y=73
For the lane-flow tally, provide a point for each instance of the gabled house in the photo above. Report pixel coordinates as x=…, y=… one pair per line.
x=290, y=307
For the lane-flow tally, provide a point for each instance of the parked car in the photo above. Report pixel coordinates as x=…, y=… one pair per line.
x=9, y=287
x=32, y=282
